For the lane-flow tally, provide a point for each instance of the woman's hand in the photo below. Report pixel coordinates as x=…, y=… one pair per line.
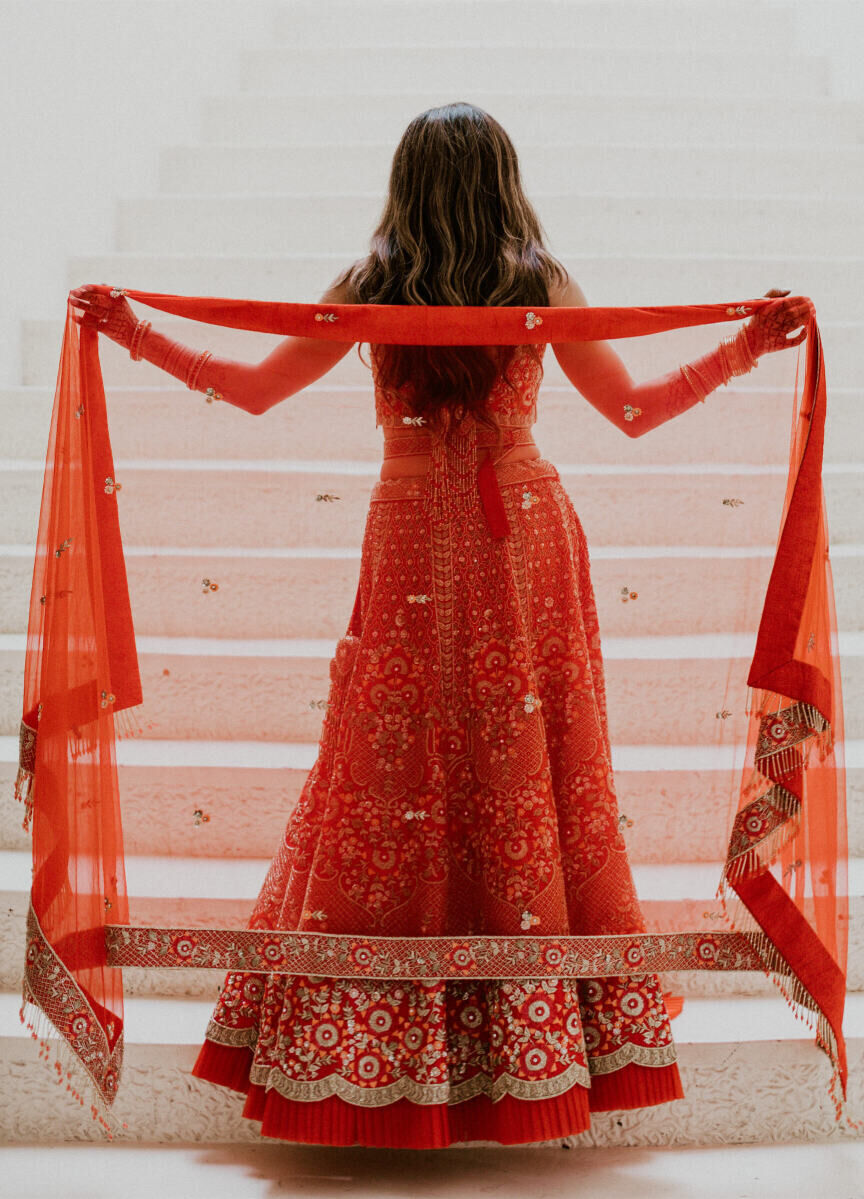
x=95, y=310
x=768, y=329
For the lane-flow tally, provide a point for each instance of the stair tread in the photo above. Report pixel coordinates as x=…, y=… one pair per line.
x=155, y=875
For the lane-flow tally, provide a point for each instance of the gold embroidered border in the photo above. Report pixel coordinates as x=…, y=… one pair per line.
x=237, y=1038
x=642, y=1055
x=309, y=1091
x=50, y=988
x=334, y=955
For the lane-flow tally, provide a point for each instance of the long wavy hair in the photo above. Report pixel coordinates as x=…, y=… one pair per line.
x=457, y=229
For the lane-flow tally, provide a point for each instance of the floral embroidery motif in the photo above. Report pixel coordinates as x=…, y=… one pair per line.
x=529, y=499
x=739, y=310
x=326, y=316
x=209, y=585
x=63, y=547
x=420, y=599
x=627, y=595
x=630, y=413
x=413, y=420
x=326, y=497
x=199, y=816
x=111, y=486
x=532, y=319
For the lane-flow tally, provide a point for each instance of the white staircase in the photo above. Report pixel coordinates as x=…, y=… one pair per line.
x=676, y=152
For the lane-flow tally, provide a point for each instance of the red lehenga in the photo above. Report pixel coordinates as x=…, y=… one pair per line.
x=463, y=786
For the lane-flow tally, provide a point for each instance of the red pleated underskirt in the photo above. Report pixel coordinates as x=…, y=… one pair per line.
x=407, y=1125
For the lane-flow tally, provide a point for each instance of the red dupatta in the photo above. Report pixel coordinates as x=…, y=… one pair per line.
x=784, y=883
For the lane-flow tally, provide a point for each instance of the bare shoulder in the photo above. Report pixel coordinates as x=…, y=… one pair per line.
x=339, y=291
x=567, y=295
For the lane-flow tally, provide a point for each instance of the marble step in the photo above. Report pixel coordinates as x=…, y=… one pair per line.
x=645, y=358
x=775, y=225
x=578, y=433
x=637, y=279
x=284, y=503
x=745, y=1065
x=628, y=168
x=247, y=791
x=625, y=25
x=268, y=690
x=584, y=69
x=599, y=119
x=316, y=589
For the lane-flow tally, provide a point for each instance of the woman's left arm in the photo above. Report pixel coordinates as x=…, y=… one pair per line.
x=598, y=373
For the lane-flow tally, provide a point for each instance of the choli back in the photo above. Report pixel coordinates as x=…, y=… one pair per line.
x=513, y=404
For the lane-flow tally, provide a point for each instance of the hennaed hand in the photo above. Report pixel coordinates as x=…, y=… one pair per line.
x=95, y=310
x=768, y=330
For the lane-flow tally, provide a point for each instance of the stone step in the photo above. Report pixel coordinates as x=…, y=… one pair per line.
x=316, y=587
x=628, y=168
x=625, y=25
x=645, y=358
x=293, y=70
x=832, y=283
x=174, y=502
x=576, y=430
x=269, y=690
x=733, y=1053
x=599, y=119
x=337, y=224
x=670, y=803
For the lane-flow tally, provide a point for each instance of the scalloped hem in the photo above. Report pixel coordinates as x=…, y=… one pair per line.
x=407, y=1125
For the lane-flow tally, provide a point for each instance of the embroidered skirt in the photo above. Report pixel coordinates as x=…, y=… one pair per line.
x=463, y=786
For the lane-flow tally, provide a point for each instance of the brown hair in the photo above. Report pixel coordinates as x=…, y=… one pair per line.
x=457, y=229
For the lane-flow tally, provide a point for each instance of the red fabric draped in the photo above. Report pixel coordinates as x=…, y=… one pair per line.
x=784, y=884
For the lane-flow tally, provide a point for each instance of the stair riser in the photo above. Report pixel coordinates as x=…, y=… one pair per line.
x=161, y=1102
x=306, y=425
x=598, y=119
x=645, y=359
x=623, y=26
x=269, y=699
x=626, y=169
x=316, y=595
x=531, y=71
x=633, y=280
x=339, y=224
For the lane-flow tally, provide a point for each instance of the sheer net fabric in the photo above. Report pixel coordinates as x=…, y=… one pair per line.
x=464, y=777
x=463, y=786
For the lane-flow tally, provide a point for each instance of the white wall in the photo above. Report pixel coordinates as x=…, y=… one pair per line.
x=89, y=90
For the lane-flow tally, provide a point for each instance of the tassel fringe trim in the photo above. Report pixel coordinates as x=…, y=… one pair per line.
x=67, y=1069
x=797, y=997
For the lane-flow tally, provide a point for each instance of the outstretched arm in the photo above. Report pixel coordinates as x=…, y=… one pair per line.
x=255, y=387
x=598, y=373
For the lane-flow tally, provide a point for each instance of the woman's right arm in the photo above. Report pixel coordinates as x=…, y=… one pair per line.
x=597, y=372
x=255, y=387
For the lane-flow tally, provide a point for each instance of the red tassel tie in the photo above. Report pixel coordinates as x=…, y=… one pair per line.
x=491, y=499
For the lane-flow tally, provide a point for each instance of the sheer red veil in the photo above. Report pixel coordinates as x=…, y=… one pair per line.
x=783, y=889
